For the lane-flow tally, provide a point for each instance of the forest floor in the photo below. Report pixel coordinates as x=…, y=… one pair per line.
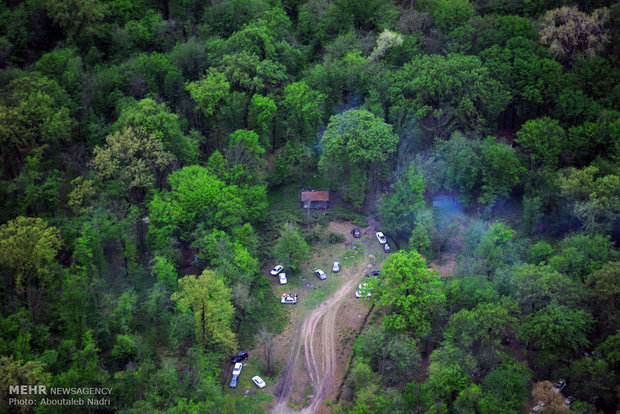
x=314, y=349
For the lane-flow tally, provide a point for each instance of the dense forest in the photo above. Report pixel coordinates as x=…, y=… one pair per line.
x=144, y=143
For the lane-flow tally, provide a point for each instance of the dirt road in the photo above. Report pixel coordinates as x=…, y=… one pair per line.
x=319, y=354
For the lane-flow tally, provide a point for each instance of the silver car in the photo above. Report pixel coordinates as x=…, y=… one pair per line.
x=320, y=274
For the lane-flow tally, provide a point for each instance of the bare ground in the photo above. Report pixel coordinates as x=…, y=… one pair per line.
x=314, y=342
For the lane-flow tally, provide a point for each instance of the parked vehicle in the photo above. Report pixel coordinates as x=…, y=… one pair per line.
x=320, y=274
x=381, y=238
x=375, y=273
x=237, y=368
x=233, y=381
x=276, y=270
x=356, y=233
x=289, y=298
x=258, y=381
x=240, y=357
x=387, y=248
x=363, y=291
x=336, y=267
x=282, y=277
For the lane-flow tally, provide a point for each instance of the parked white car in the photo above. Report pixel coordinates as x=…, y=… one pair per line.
x=277, y=270
x=289, y=298
x=364, y=291
x=381, y=238
x=336, y=267
x=258, y=381
x=320, y=274
x=282, y=277
x=237, y=368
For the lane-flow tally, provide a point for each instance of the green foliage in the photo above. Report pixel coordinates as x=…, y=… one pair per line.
x=34, y=114
x=456, y=164
x=468, y=292
x=302, y=106
x=14, y=371
x=450, y=14
x=134, y=158
x=155, y=120
x=595, y=199
x=446, y=94
x=209, y=300
x=556, y=331
x=290, y=248
x=81, y=20
x=500, y=169
x=261, y=113
x=448, y=374
x=411, y=291
x=592, y=376
x=605, y=295
x=400, y=209
x=165, y=272
x=535, y=287
x=395, y=357
x=580, y=255
x=28, y=248
x=209, y=91
x=355, y=141
x=481, y=330
x=531, y=77
x=543, y=139
x=507, y=386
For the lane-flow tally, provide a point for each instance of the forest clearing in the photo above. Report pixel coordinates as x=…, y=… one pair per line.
x=317, y=206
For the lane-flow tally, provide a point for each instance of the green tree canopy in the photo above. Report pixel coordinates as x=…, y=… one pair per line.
x=134, y=158
x=445, y=93
x=291, y=248
x=28, y=248
x=412, y=292
x=156, y=120
x=208, y=299
x=355, y=144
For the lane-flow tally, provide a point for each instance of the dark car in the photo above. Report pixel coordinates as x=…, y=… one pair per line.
x=375, y=273
x=387, y=248
x=356, y=233
x=233, y=381
x=240, y=357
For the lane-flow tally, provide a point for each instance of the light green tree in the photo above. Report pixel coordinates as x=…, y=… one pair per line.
x=208, y=299
x=209, y=91
x=291, y=248
x=134, y=158
x=303, y=108
x=28, y=248
x=412, y=292
x=261, y=113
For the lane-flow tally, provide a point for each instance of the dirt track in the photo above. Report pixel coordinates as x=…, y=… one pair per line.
x=319, y=350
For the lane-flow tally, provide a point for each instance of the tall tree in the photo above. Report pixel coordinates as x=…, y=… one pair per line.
x=303, y=107
x=355, y=145
x=400, y=208
x=28, y=248
x=290, y=248
x=572, y=34
x=209, y=300
x=412, y=291
x=134, y=158
x=156, y=120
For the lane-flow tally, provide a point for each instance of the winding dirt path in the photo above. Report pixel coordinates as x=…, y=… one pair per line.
x=319, y=354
